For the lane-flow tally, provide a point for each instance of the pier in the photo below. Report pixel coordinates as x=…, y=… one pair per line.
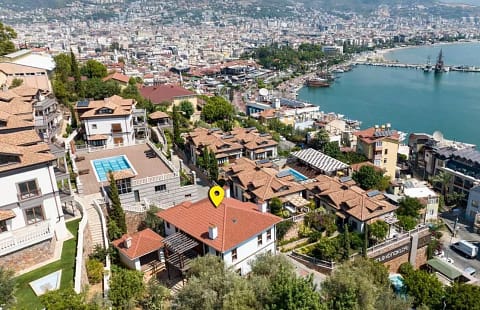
x=394, y=64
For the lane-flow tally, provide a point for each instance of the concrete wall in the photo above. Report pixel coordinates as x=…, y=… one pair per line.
x=172, y=195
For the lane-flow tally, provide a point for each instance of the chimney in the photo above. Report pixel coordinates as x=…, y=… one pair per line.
x=128, y=242
x=212, y=232
x=226, y=189
x=262, y=207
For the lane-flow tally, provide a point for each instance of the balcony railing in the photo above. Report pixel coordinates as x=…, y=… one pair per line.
x=11, y=241
x=30, y=194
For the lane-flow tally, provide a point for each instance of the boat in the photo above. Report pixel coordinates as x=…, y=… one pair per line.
x=439, y=66
x=326, y=76
x=317, y=82
x=428, y=66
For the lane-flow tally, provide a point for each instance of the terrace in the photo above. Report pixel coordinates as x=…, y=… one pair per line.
x=147, y=167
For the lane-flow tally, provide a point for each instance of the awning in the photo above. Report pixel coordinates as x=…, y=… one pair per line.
x=298, y=201
x=444, y=268
x=6, y=215
x=340, y=215
x=123, y=174
x=290, y=209
x=97, y=137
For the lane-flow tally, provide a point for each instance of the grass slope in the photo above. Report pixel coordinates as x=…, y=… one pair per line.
x=26, y=298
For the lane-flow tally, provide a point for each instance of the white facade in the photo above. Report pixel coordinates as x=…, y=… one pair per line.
x=245, y=251
x=32, y=195
x=473, y=205
x=118, y=129
x=423, y=192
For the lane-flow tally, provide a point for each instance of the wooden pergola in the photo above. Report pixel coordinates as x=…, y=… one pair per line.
x=179, y=251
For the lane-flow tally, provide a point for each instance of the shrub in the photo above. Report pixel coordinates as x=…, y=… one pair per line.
x=94, y=271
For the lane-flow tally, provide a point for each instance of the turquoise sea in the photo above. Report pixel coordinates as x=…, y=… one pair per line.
x=409, y=99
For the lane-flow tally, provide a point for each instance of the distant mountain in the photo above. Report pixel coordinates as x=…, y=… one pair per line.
x=362, y=5
x=35, y=4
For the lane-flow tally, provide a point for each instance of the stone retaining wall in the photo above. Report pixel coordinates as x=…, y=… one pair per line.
x=28, y=257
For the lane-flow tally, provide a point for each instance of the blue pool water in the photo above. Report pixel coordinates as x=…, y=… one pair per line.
x=297, y=175
x=397, y=282
x=104, y=165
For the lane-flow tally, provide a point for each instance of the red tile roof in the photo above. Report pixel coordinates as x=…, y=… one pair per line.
x=117, y=77
x=167, y=92
x=368, y=135
x=236, y=221
x=143, y=242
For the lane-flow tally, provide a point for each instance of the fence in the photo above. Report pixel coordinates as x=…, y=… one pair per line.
x=106, y=274
x=398, y=238
x=315, y=261
x=79, y=258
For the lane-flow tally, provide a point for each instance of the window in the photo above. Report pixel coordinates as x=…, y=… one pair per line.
x=269, y=235
x=28, y=189
x=377, y=162
x=386, y=151
x=259, y=240
x=124, y=186
x=168, y=224
x=94, y=126
x=385, y=161
x=188, y=196
x=160, y=188
x=34, y=215
x=234, y=255
x=378, y=143
x=3, y=226
x=475, y=203
x=116, y=128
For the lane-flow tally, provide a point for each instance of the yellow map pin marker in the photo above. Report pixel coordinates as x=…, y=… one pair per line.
x=216, y=194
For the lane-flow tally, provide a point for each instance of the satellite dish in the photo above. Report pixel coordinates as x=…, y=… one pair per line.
x=263, y=92
x=438, y=136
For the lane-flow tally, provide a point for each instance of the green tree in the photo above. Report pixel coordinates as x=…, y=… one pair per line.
x=282, y=228
x=358, y=284
x=462, y=297
x=8, y=286
x=276, y=206
x=66, y=299
x=152, y=221
x=346, y=243
x=407, y=222
x=131, y=92
x=177, y=139
x=116, y=212
x=211, y=285
x=333, y=150
x=444, y=179
x=217, y=108
x=367, y=177
x=126, y=288
x=63, y=67
x=6, y=35
x=425, y=288
x=378, y=230
x=156, y=296
x=97, y=89
x=76, y=75
x=320, y=140
x=410, y=206
x=277, y=286
x=94, y=69
x=212, y=166
x=326, y=249
x=187, y=108
x=16, y=82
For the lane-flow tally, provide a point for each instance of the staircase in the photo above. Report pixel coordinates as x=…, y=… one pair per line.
x=95, y=225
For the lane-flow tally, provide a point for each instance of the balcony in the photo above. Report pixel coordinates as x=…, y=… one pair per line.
x=30, y=194
x=11, y=241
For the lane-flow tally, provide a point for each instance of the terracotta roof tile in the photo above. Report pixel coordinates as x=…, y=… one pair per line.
x=236, y=221
x=143, y=242
x=167, y=92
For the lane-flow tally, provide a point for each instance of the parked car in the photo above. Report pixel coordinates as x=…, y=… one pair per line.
x=470, y=270
x=467, y=248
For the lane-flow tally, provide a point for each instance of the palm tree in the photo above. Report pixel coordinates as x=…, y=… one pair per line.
x=444, y=179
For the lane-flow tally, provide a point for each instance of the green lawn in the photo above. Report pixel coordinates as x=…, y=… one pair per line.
x=26, y=298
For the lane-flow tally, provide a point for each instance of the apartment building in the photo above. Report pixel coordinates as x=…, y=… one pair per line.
x=235, y=231
x=350, y=203
x=259, y=182
x=380, y=146
x=30, y=76
x=111, y=121
x=31, y=216
x=228, y=146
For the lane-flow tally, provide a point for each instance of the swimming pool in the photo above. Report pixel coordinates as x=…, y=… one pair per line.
x=103, y=165
x=397, y=282
x=297, y=175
